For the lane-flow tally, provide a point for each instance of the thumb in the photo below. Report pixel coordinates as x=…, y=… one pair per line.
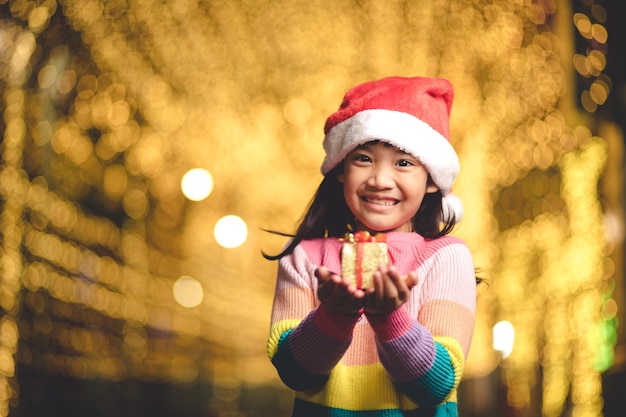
x=411, y=279
x=323, y=274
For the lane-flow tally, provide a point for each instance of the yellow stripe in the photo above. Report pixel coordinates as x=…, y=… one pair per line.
x=458, y=361
x=276, y=330
x=359, y=388
x=364, y=387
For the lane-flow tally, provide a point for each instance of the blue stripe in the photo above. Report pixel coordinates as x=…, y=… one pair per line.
x=431, y=388
x=303, y=408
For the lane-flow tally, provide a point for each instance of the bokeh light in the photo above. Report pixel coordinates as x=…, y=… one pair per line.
x=231, y=231
x=503, y=338
x=188, y=292
x=107, y=104
x=197, y=184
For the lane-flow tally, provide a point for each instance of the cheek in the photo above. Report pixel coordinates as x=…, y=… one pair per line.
x=349, y=183
x=416, y=195
x=349, y=194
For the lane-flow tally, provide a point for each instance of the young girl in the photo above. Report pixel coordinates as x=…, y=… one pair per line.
x=397, y=347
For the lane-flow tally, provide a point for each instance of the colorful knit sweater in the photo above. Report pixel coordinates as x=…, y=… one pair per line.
x=406, y=363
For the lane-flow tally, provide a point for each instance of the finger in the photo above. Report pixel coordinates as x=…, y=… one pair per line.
x=322, y=274
x=402, y=285
x=347, y=297
x=353, y=290
x=390, y=289
x=327, y=276
x=324, y=290
x=379, y=285
x=327, y=283
x=391, y=280
x=411, y=280
x=395, y=277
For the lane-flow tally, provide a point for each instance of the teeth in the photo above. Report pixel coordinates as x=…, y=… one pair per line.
x=381, y=202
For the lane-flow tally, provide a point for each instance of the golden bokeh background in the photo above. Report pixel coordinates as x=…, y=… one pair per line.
x=114, y=269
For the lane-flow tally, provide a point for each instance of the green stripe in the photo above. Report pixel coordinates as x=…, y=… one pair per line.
x=306, y=409
x=434, y=386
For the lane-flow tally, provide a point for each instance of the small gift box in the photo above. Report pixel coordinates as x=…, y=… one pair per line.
x=361, y=254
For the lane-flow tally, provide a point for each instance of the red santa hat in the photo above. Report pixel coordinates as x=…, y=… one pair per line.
x=412, y=114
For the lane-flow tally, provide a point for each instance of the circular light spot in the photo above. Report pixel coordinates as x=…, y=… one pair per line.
x=599, y=33
x=135, y=203
x=47, y=76
x=197, y=184
x=503, y=338
x=188, y=292
x=598, y=92
x=66, y=81
x=609, y=310
x=230, y=231
x=587, y=102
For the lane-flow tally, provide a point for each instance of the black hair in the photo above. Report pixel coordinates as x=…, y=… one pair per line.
x=329, y=216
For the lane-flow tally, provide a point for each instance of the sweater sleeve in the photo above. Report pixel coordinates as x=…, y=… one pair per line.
x=425, y=356
x=306, y=341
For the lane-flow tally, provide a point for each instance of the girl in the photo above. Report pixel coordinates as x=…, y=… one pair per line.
x=398, y=347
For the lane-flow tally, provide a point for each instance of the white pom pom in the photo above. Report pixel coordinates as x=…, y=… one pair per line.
x=452, y=208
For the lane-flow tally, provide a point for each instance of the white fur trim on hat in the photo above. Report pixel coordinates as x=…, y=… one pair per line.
x=400, y=129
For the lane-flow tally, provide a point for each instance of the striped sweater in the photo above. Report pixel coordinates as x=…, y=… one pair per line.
x=406, y=363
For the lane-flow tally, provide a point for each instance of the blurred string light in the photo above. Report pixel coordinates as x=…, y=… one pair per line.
x=109, y=104
x=231, y=231
x=197, y=184
x=591, y=63
x=503, y=338
x=188, y=292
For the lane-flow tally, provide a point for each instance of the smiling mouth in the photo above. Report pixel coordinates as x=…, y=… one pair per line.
x=380, y=202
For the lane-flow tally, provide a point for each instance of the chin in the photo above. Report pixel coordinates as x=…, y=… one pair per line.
x=384, y=228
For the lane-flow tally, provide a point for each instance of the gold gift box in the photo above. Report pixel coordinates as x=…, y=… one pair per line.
x=361, y=254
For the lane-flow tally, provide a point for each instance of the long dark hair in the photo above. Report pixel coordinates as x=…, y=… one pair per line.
x=328, y=215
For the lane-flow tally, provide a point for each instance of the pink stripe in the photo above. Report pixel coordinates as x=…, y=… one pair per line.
x=391, y=326
x=337, y=326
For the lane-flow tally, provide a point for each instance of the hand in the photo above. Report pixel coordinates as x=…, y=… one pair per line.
x=338, y=295
x=389, y=290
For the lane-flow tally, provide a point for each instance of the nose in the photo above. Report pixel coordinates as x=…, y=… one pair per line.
x=382, y=177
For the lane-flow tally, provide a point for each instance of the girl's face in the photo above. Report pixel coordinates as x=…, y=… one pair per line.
x=383, y=187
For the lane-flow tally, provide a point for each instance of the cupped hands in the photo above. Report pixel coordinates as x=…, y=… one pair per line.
x=388, y=292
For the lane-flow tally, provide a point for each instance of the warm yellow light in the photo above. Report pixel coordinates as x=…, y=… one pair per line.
x=197, y=184
x=599, y=33
x=503, y=338
x=609, y=310
x=583, y=24
x=231, y=231
x=297, y=111
x=47, y=76
x=188, y=292
x=93, y=218
x=599, y=92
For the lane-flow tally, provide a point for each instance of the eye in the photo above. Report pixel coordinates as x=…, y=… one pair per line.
x=405, y=163
x=359, y=157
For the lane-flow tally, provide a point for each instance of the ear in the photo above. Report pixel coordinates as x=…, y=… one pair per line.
x=431, y=187
x=341, y=178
